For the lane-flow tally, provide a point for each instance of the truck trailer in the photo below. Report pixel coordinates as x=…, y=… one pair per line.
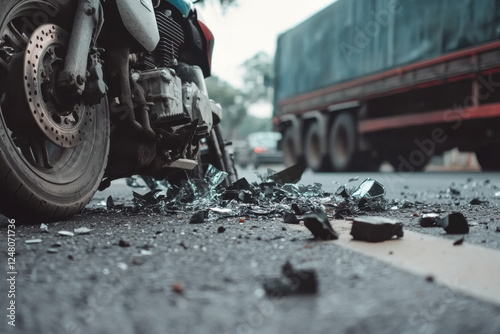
x=367, y=81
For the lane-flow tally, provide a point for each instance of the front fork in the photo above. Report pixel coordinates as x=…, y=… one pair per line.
x=87, y=23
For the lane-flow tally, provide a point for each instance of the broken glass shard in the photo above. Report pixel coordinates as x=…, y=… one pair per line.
x=369, y=189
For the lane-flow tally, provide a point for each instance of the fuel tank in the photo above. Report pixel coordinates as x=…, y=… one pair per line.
x=139, y=19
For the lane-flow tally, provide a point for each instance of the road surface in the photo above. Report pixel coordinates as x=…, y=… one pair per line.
x=141, y=271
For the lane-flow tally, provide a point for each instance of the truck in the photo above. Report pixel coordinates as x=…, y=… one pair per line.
x=367, y=81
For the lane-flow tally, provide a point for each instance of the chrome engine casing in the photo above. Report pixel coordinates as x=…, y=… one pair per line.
x=172, y=99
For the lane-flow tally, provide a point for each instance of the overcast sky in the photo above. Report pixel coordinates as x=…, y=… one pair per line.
x=251, y=27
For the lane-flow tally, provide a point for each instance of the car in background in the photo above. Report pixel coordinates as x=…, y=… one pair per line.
x=260, y=148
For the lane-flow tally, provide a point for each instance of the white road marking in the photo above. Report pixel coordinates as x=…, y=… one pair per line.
x=470, y=269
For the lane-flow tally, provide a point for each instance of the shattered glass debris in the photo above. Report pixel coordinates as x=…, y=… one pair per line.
x=44, y=228
x=66, y=233
x=375, y=229
x=276, y=196
x=293, y=281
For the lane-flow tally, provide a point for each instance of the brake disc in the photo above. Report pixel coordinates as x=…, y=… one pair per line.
x=63, y=121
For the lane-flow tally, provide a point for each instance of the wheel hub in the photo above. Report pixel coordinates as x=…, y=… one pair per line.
x=64, y=121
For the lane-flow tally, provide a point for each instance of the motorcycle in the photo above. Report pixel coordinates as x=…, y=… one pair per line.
x=92, y=91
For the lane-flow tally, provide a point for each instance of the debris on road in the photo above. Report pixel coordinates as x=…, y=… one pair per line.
x=221, y=229
x=317, y=222
x=82, y=230
x=375, y=229
x=459, y=242
x=429, y=220
x=52, y=250
x=178, y=287
x=44, y=228
x=454, y=223
x=123, y=243
x=290, y=218
x=66, y=233
x=293, y=281
x=477, y=201
x=198, y=217
x=33, y=241
x=292, y=174
x=110, y=204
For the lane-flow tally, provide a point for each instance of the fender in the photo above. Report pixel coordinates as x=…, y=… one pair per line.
x=139, y=19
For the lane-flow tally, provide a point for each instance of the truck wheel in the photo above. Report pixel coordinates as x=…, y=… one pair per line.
x=289, y=149
x=489, y=157
x=53, y=150
x=312, y=149
x=342, y=142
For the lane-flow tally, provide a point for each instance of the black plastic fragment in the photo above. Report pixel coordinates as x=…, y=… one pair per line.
x=455, y=223
x=110, y=204
x=198, y=217
x=241, y=184
x=290, y=218
x=375, y=229
x=429, y=220
x=317, y=222
x=477, y=201
x=221, y=229
x=291, y=174
x=294, y=281
x=459, y=242
x=300, y=210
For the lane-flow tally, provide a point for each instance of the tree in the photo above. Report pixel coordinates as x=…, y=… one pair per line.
x=258, y=87
x=258, y=78
x=232, y=102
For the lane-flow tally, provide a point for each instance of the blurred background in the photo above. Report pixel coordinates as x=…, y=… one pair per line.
x=243, y=75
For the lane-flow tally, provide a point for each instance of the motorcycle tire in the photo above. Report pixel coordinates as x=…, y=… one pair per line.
x=44, y=177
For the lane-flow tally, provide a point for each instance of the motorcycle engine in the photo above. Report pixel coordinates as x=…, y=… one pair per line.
x=177, y=104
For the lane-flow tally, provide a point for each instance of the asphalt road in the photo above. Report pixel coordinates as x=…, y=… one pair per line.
x=142, y=271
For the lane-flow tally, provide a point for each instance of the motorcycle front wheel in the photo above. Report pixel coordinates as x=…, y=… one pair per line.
x=53, y=150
